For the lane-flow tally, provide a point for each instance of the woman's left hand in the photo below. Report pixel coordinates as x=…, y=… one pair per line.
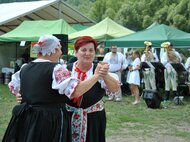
x=18, y=98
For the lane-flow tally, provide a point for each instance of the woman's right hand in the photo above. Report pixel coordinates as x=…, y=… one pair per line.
x=102, y=69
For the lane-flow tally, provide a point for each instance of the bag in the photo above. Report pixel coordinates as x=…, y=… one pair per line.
x=152, y=98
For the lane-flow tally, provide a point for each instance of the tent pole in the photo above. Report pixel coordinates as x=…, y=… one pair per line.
x=16, y=52
x=59, y=10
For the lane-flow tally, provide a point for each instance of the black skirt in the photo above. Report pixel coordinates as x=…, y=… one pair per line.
x=40, y=123
x=96, y=126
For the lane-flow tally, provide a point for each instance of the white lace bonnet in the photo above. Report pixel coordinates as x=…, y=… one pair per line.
x=47, y=44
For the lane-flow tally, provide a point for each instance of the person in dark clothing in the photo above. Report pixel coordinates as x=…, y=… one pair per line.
x=88, y=118
x=42, y=116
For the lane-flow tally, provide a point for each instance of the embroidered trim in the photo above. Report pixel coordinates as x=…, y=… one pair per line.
x=79, y=120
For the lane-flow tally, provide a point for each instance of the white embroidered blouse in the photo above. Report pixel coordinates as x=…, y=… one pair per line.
x=63, y=80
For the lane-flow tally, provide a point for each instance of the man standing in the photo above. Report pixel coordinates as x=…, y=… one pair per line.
x=168, y=57
x=118, y=63
x=187, y=67
x=149, y=73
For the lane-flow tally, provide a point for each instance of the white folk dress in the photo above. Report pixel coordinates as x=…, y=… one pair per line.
x=134, y=76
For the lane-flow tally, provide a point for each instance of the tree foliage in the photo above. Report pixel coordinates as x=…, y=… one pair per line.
x=135, y=14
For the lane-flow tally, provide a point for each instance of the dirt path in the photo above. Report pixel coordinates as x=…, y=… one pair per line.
x=125, y=135
x=157, y=138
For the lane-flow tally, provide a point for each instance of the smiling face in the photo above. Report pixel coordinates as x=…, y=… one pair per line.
x=86, y=53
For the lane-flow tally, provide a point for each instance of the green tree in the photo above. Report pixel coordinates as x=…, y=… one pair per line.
x=105, y=8
x=179, y=16
x=81, y=5
x=98, y=10
x=138, y=15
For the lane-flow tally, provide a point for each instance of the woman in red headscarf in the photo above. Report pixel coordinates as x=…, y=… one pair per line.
x=88, y=114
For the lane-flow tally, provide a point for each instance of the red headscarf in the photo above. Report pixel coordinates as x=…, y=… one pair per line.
x=83, y=40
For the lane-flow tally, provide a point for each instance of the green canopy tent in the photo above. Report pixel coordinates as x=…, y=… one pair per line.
x=157, y=35
x=32, y=30
x=102, y=31
x=79, y=27
x=153, y=25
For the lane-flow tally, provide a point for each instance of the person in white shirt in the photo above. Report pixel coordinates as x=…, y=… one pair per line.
x=168, y=57
x=118, y=63
x=187, y=67
x=149, y=73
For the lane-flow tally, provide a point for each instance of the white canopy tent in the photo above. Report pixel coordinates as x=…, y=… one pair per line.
x=13, y=14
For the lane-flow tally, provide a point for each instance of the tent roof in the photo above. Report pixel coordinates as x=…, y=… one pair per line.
x=79, y=27
x=106, y=29
x=156, y=35
x=15, y=13
x=32, y=30
x=153, y=25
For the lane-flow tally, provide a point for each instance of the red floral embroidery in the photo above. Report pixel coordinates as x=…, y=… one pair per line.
x=11, y=88
x=75, y=135
x=98, y=106
x=62, y=74
x=76, y=116
x=79, y=120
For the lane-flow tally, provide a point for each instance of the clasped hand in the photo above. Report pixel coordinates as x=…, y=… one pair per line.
x=102, y=69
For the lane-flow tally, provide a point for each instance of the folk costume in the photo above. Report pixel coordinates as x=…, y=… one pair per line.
x=42, y=116
x=88, y=118
x=149, y=73
x=170, y=75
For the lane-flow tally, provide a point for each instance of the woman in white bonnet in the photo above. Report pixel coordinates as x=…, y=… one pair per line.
x=41, y=116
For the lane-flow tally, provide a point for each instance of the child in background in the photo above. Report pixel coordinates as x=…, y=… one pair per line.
x=134, y=76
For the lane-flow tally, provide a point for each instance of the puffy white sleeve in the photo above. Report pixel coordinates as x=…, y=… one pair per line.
x=14, y=84
x=63, y=81
x=101, y=81
x=103, y=85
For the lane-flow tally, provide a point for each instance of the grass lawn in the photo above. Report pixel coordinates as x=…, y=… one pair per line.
x=7, y=101
x=127, y=122
x=136, y=123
